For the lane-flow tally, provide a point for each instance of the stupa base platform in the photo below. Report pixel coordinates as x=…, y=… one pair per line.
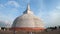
x=28, y=29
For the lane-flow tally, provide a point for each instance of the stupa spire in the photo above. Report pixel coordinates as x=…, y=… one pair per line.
x=28, y=10
x=28, y=6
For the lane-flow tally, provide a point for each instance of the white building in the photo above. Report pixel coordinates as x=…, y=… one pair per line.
x=28, y=21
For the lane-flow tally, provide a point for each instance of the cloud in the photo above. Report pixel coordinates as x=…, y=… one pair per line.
x=2, y=6
x=54, y=16
x=50, y=18
x=13, y=3
x=5, y=23
x=10, y=4
x=7, y=20
x=58, y=7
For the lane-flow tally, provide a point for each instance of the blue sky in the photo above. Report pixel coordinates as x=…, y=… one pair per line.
x=47, y=10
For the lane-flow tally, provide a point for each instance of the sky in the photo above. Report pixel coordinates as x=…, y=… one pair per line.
x=47, y=10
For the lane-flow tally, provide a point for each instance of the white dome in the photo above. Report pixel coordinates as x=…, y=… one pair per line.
x=28, y=19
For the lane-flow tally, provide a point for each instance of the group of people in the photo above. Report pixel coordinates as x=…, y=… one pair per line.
x=4, y=28
x=52, y=28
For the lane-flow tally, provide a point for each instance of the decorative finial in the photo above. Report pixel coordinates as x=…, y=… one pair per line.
x=28, y=11
x=28, y=6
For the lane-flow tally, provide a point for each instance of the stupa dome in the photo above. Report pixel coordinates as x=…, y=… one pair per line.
x=28, y=20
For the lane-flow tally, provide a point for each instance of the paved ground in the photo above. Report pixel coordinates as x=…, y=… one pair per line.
x=20, y=32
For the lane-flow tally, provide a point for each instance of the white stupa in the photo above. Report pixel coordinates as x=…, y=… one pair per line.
x=28, y=21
